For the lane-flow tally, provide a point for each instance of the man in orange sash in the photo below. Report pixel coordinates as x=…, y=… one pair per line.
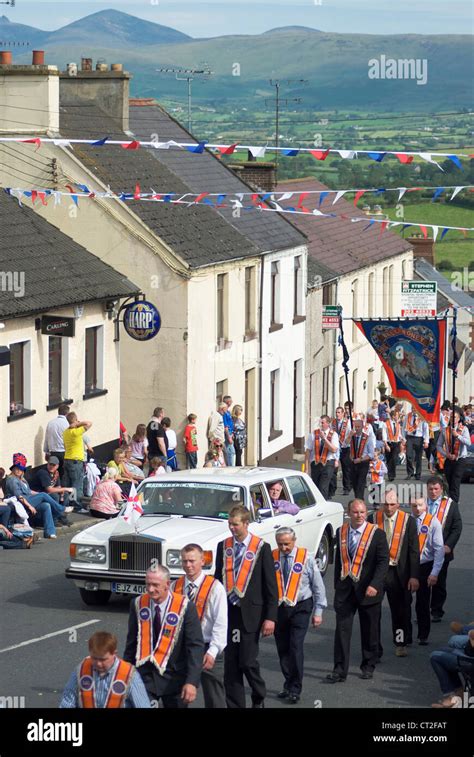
x=453, y=442
x=416, y=434
x=321, y=453
x=210, y=599
x=431, y=549
x=360, y=568
x=301, y=596
x=392, y=437
x=404, y=567
x=447, y=512
x=244, y=564
x=103, y=680
x=165, y=641
x=362, y=448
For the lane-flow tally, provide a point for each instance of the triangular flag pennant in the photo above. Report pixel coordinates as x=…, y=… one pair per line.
x=339, y=194
x=136, y=194
x=35, y=141
x=424, y=231
x=83, y=188
x=371, y=223
x=131, y=145
x=322, y=197
x=34, y=195
x=62, y=143
x=427, y=156
x=197, y=148
x=456, y=192
x=300, y=205
x=285, y=196
x=435, y=232
x=383, y=226
x=347, y=154
x=289, y=152
x=257, y=152
x=227, y=150
x=403, y=157
x=74, y=198
x=320, y=154
x=380, y=191
x=99, y=142
x=406, y=225
x=456, y=161
x=437, y=193
x=166, y=145
x=201, y=197
x=358, y=195
x=377, y=156
x=401, y=192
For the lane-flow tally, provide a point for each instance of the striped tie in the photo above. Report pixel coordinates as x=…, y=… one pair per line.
x=353, y=543
x=238, y=557
x=191, y=591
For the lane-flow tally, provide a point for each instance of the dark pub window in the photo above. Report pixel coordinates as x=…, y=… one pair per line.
x=91, y=359
x=248, y=300
x=220, y=306
x=273, y=399
x=17, y=382
x=296, y=285
x=274, y=271
x=55, y=369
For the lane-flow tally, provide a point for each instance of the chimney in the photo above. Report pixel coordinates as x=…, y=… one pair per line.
x=423, y=248
x=109, y=88
x=35, y=88
x=260, y=176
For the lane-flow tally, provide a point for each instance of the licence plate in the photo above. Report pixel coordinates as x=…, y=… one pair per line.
x=119, y=588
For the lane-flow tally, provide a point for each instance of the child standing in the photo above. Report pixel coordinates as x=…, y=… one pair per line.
x=139, y=445
x=378, y=470
x=172, y=460
x=190, y=442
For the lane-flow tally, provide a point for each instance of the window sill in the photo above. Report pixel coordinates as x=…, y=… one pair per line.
x=274, y=434
x=55, y=405
x=299, y=319
x=275, y=327
x=223, y=344
x=18, y=416
x=249, y=335
x=95, y=393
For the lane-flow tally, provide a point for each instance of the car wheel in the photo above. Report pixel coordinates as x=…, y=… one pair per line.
x=322, y=555
x=94, y=597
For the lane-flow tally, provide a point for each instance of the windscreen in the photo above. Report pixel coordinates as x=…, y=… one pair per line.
x=190, y=499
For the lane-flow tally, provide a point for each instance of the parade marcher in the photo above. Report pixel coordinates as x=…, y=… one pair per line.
x=301, y=598
x=210, y=600
x=392, y=436
x=360, y=567
x=362, y=446
x=104, y=681
x=377, y=471
x=244, y=564
x=416, y=433
x=447, y=512
x=164, y=641
x=404, y=567
x=453, y=442
x=342, y=426
x=431, y=549
x=320, y=454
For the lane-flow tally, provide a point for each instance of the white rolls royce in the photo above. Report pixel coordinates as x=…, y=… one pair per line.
x=112, y=557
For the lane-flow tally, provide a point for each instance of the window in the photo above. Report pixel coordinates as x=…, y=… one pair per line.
x=275, y=294
x=390, y=290
x=55, y=360
x=250, y=300
x=301, y=493
x=220, y=306
x=274, y=400
x=371, y=295
x=259, y=500
x=17, y=380
x=385, y=292
x=297, y=286
x=342, y=390
x=329, y=291
x=404, y=270
x=221, y=391
x=91, y=360
x=354, y=398
x=325, y=389
x=355, y=305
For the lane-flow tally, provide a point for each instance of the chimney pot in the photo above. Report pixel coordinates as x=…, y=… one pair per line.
x=86, y=64
x=38, y=57
x=116, y=67
x=5, y=58
x=101, y=67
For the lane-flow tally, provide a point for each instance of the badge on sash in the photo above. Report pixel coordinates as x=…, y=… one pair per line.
x=276, y=565
x=249, y=555
x=119, y=688
x=424, y=529
x=86, y=683
x=229, y=551
x=145, y=613
x=172, y=619
x=297, y=567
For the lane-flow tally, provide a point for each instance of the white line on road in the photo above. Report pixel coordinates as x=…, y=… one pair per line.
x=49, y=635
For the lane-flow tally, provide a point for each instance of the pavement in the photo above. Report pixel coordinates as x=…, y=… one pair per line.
x=45, y=627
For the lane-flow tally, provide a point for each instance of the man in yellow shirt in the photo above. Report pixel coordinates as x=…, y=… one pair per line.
x=74, y=454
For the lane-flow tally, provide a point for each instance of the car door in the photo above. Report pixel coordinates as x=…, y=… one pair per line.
x=267, y=523
x=308, y=522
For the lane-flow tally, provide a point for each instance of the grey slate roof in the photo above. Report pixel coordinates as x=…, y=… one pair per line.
x=58, y=271
x=206, y=173
x=445, y=289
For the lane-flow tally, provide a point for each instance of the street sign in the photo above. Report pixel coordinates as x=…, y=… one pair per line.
x=418, y=299
x=331, y=316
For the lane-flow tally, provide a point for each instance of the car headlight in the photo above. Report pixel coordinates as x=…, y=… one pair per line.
x=89, y=553
x=173, y=558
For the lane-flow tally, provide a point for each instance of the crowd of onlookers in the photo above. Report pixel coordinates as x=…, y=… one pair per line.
x=71, y=473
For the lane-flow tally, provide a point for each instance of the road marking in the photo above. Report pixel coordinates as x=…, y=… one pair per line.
x=49, y=635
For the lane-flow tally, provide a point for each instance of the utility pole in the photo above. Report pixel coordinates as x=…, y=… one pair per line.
x=277, y=84
x=188, y=75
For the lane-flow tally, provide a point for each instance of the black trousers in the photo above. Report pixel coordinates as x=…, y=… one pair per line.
x=359, y=473
x=290, y=631
x=321, y=475
x=346, y=465
x=333, y=483
x=398, y=598
x=439, y=591
x=238, y=452
x=240, y=658
x=414, y=455
x=369, y=619
x=212, y=682
x=391, y=458
x=422, y=606
x=454, y=470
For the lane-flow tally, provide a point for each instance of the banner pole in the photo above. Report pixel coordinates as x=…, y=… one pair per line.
x=454, y=364
x=345, y=361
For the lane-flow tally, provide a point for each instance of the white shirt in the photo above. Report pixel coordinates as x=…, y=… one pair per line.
x=383, y=426
x=309, y=445
x=463, y=438
x=214, y=620
x=359, y=531
x=172, y=441
x=434, y=545
x=53, y=437
x=422, y=429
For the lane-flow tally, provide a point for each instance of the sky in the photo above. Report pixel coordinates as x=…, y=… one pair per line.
x=218, y=17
